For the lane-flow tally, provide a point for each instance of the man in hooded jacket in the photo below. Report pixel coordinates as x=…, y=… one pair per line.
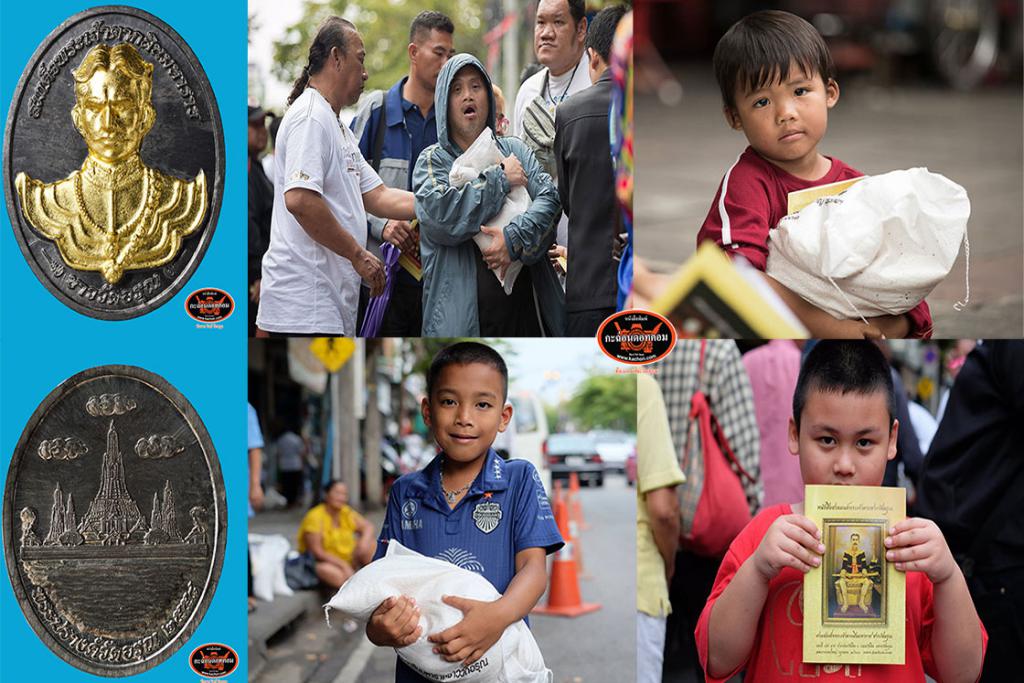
x=460, y=296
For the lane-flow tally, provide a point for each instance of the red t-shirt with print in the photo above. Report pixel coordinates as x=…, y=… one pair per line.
x=754, y=196
x=777, y=651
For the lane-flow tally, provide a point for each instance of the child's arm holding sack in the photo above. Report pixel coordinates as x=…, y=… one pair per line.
x=959, y=650
x=484, y=622
x=395, y=623
x=822, y=325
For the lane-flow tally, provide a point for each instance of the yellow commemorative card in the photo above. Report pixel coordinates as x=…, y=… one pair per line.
x=855, y=602
x=801, y=198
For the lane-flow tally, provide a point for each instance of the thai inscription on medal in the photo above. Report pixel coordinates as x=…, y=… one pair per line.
x=122, y=229
x=114, y=520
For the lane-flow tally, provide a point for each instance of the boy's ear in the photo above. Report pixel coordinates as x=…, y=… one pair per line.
x=732, y=117
x=831, y=93
x=893, y=433
x=425, y=411
x=794, y=438
x=506, y=416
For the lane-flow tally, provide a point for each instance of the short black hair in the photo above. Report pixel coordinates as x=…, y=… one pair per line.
x=760, y=48
x=331, y=484
x=601, y=31
x=843, y=367
x=427, y=21
x=578, y=9
x=464, y=353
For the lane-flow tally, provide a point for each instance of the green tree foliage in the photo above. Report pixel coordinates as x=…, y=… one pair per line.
x=554, y=416
x=384, y=27
x=605, y=402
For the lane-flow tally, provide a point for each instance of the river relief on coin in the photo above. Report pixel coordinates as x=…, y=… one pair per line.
x=114, y=519
x=114, y=162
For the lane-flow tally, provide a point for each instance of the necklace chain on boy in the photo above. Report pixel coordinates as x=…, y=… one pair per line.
x=452, y=496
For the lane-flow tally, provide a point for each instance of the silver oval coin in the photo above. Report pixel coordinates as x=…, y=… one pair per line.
x=114, y=520
x=113, y=162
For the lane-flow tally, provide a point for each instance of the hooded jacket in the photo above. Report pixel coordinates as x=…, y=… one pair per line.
x=450, y=217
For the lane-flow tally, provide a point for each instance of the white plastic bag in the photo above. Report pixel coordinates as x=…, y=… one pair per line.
x=515, y=658
x=267, y=554
x=878, y=248
x=480, y=156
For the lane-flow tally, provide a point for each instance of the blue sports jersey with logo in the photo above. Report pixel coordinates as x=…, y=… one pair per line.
x=506, y=510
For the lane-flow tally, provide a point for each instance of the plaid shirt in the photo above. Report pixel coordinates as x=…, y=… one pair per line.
x=727, y=388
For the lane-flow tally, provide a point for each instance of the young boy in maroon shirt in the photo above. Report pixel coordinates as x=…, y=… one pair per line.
x=844, y=433
x=778, y=83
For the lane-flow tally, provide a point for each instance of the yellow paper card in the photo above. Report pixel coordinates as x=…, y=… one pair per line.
x=709, y=297
x=855, y=602
x=801, y=198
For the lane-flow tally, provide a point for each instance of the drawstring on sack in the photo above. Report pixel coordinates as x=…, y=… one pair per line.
x=961, y=305
x=847, y=300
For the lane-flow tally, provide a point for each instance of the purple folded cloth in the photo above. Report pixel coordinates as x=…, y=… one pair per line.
x=379, y=304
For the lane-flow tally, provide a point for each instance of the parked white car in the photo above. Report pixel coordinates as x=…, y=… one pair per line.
x=614, y=448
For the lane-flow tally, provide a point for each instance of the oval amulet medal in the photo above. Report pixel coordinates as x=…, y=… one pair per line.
x=114, y=520
x=114, y=162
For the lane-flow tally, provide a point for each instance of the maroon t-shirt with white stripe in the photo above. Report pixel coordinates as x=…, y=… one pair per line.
x=753, y=197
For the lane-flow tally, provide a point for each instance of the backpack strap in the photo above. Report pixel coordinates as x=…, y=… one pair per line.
x=722, y=440
x=378, y=139
x=727, y=449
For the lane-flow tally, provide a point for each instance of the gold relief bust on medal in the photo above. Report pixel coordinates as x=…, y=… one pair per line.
x=114, y=214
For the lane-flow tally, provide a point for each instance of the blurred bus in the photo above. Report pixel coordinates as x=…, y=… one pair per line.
x=525, y=436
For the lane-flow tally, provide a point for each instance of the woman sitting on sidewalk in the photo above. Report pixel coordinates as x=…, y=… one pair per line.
x=339, y=539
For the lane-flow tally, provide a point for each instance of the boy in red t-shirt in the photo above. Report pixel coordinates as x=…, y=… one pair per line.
x=778, y=83
x=844, y=433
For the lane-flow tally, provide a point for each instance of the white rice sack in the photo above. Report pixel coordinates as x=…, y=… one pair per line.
x=878, y=248
x=515, y=658
x=267, y=555
x=480, y=156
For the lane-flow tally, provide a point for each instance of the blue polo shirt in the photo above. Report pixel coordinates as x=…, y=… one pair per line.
x=506, y=510
x=408, y=131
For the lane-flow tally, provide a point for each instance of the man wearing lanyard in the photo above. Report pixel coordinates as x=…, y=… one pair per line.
x=408, y=128
x=559, y=32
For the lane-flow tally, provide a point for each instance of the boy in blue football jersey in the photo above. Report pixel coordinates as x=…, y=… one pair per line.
x=468, y=507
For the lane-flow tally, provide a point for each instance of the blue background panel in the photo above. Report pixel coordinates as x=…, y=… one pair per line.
x=42, y=342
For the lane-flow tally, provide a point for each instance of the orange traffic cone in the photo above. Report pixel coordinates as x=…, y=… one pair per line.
x=564, y=594
x=575, y=527
x=575, y=508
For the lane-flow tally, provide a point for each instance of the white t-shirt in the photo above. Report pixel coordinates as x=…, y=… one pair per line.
x=529, y=91
x=306, y=287
x=531, y=87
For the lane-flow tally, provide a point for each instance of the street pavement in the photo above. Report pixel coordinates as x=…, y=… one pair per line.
x=600, y=646
x=597, y=647
x=299, y=652
x=974, y=138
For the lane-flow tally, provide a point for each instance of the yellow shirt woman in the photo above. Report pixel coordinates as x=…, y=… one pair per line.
x=338, y=535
